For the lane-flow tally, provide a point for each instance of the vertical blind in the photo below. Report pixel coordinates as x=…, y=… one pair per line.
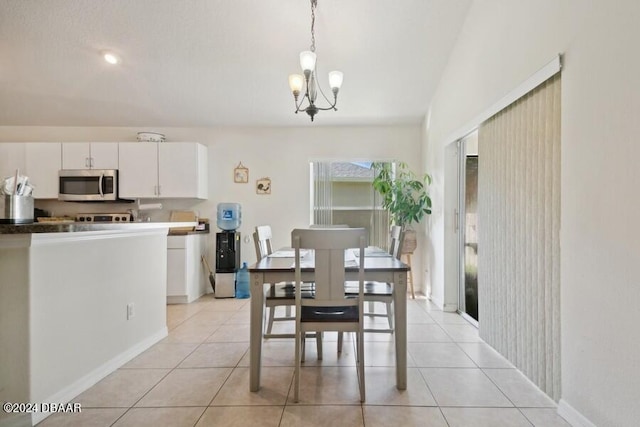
x=519, y=226
x=379, y=235
x=322, y=193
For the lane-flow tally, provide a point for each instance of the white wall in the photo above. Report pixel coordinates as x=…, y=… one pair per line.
x=282, y=154
x=14, y=326
x=501, y=44
x=75, y=297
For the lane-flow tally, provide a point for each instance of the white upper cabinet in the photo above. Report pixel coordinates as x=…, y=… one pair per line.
x=163, y=170
x=43, y=161
x=12, y=157
x=85, y=155
x=138, y=170
x=182, y=170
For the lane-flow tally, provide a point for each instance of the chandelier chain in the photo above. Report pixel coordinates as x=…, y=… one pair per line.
x=314, y=4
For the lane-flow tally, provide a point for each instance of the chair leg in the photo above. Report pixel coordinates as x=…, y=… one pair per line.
x=340, y=336
x=360, y=363
x=390, y=315
x=410, y=276
x=271, y=316
x=319, y=344
x=296, y=378
x=304, y=347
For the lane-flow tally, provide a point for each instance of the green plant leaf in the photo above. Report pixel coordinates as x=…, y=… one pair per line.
x=405, y=196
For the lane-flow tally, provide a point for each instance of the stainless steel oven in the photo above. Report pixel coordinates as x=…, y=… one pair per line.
x=88, y=185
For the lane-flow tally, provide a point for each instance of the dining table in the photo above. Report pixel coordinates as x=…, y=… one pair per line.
x=278, y=267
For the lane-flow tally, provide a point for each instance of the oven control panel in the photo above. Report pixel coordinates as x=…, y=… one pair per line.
x=110, y=217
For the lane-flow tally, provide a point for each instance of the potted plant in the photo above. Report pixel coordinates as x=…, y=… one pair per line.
x=405, y=196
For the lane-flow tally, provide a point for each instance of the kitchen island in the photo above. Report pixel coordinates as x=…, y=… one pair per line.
x=77, y=301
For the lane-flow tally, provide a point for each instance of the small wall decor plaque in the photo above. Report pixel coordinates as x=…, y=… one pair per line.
x=263, y=186
x=241, y=174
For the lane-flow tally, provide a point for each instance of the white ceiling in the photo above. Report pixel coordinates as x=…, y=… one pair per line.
x=206, y=63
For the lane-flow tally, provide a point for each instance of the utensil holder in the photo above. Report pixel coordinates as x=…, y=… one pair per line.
x=18, y=210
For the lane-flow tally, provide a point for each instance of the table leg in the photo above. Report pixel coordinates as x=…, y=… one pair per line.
x=255, y=330
x=400, y=317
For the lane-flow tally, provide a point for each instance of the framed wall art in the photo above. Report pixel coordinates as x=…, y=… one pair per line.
x=241, y=174
x=263, y=186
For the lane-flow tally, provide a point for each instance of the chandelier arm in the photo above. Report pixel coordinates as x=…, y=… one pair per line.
x=299, y=104
x=325, y=96
x=332, y=107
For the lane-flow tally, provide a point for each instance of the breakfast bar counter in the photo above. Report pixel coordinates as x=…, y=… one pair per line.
x=72, y=227
x=77, y=301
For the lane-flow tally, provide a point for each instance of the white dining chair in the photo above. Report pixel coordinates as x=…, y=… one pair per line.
x=331, y=309
x=380, y=291
x=280, y=294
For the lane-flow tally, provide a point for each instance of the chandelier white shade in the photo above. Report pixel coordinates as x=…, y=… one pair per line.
x=307, y=61
x=308, y=81
x=296, y=81
x=335, y=80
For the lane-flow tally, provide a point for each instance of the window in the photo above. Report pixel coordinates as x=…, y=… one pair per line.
x=342, y=194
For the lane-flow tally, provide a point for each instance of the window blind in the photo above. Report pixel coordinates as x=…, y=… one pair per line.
x=518, y=240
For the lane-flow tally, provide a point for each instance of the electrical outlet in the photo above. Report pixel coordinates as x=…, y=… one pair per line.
x=130, y=311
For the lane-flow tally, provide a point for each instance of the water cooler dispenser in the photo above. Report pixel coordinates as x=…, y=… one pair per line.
x=227, y=249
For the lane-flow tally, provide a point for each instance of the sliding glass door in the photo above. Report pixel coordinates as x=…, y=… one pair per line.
x=342, y=193
x=468, y=226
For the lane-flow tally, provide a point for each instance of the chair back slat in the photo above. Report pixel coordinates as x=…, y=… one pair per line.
x=262, y=240
x=329, y=247
x=397, y=239
x=256, y=243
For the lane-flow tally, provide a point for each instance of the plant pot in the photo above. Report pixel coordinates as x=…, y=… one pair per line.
x=410, y=242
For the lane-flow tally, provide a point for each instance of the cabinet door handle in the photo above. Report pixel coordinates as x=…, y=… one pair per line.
x=159, y=187
x=91, y=162
x=86, y=162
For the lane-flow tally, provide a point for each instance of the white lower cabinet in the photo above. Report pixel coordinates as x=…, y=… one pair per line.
x=187, y=279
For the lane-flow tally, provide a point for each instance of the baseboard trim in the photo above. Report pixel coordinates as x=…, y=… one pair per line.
x=66, y=394
x=572, y=416
x=438, y=302
x=177, y=299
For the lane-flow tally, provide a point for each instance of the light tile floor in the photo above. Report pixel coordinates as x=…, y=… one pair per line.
x=199, y=376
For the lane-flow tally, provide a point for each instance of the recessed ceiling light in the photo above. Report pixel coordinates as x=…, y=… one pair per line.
x=111, y=57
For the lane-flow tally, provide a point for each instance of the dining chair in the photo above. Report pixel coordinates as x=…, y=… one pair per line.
x=278, y=294
x=380, y=291
x=331, y=309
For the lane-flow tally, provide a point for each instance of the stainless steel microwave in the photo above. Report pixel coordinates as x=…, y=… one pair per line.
x=88, y=185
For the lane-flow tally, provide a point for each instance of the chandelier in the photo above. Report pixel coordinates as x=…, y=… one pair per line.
x=311, y=86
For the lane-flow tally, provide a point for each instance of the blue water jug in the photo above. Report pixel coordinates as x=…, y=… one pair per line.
x=242, y=282
x=229, y=216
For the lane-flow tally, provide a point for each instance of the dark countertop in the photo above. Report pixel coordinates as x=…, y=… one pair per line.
x=186, y=233
x=71, y=227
